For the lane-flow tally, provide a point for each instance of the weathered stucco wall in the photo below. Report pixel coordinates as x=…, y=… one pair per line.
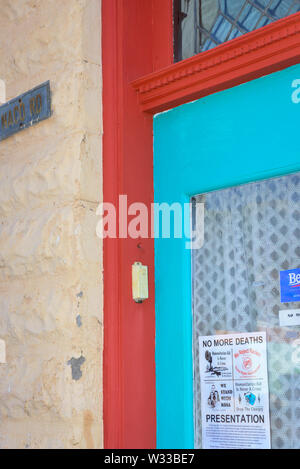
x=50, y=256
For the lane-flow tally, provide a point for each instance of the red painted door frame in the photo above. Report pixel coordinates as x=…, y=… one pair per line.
x=137, y=40
x=138, y=76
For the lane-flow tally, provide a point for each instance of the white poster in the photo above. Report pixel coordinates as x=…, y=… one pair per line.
x=234, y=391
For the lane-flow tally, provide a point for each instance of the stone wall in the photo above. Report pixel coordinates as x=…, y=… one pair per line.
x=50, y=256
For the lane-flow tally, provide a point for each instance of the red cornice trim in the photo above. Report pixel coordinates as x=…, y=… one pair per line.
x=255, y=54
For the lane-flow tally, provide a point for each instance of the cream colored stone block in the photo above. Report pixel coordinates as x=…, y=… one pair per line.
x=52, y=39
x=38, y=242
x=92, y=98
x=50, y=257
x=89, y=246
x=38, y=177
x=49, y=240
x=91, y=168
x=50, y=344
x=70, y=166
x=91, y=27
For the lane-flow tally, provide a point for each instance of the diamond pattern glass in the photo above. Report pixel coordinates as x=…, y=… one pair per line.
x=251, y=233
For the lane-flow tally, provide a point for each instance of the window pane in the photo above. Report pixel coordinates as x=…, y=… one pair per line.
x=204, y=24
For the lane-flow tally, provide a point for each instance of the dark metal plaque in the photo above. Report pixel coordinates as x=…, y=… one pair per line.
x=26, y=110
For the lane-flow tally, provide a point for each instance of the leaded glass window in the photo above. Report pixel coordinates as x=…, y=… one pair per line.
x=201, y=25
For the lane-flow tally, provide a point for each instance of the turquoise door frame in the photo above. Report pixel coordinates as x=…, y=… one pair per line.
x=247, y=133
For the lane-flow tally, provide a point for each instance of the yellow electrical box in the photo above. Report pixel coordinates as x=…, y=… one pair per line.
x=139, y=282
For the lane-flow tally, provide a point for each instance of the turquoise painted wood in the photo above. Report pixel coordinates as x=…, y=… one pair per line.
x=247, y=133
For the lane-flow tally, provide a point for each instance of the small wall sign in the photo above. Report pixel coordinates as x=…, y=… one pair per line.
x=25, y=110
x=289, y=317
x=290, y=285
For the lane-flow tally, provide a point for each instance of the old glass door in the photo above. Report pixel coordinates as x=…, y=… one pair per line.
x=251, y=234
x=237, y=153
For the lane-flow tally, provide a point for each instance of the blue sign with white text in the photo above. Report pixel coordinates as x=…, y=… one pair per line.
x=26, y=110
x=290, y=285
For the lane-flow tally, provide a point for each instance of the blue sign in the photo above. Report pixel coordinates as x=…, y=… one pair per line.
x=25, y=110
x=290, y=285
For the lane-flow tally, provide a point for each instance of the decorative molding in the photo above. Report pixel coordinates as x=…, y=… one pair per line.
x=257, y=53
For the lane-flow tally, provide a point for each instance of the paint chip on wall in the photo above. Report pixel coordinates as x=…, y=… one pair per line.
x=75, y=364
